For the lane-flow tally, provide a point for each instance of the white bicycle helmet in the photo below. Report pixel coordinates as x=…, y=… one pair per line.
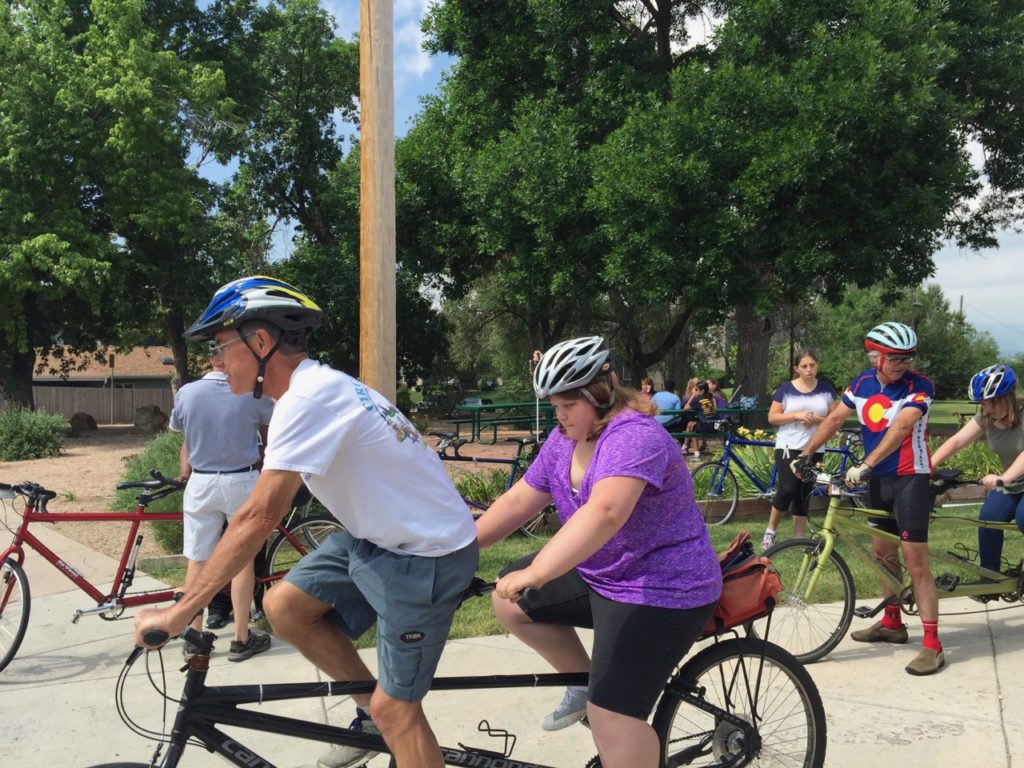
x=892, y=339
x=991, y=382
x=569, y=365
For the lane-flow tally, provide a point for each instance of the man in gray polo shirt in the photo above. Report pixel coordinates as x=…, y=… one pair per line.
x=219, y=458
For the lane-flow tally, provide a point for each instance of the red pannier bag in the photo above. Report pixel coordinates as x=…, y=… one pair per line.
x=750, y=585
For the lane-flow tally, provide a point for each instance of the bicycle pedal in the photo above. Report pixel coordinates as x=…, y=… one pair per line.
x=864, y=612
x=947, y=582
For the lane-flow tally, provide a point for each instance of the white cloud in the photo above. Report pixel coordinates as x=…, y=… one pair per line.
x=990, y=283
x=410, y=58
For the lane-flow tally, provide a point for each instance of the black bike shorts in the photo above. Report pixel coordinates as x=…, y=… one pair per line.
x=909, y=498
x=636, y=647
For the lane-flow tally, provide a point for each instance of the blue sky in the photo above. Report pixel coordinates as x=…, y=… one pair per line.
x=992, y=286
x=416, y=72
x=990, y=282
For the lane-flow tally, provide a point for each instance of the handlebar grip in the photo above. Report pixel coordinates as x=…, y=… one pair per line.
x=156, y=637
x=1000, y=483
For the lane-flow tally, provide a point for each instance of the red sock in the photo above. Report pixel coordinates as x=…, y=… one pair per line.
x=891, y=619
x=931, y=635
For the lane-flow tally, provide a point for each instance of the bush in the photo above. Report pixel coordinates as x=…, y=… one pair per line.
x=161, y=454
x=403, y=400
x=26, y=434
x=482, y=487
x=976, y=460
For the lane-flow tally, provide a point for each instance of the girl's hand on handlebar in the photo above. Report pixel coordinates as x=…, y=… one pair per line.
x=991, y=481
x=511, y=585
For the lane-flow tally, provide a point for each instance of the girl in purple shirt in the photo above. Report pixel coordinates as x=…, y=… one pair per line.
x=632, y=559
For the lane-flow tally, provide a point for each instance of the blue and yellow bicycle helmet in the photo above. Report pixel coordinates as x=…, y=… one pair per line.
x=256, y=298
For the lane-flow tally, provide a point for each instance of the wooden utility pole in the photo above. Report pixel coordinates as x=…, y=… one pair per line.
x=377, y=357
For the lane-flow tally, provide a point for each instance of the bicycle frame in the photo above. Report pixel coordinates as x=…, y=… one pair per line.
x=118, y=599
x=842, y=523
x=124, y=574
x=718, y=701
x=817, y=605
x=729, y=457
x=220, y=705
x=846, y=455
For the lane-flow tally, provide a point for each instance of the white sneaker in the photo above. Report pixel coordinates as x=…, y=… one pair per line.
x=768, y=540
x=571, y=710
x=342, y=756
x=696, y=455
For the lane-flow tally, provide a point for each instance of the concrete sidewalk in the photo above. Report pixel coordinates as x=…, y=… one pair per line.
x=57, y=701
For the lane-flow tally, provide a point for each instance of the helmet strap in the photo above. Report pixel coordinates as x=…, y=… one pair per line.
x=593, y=400
x=261, y=372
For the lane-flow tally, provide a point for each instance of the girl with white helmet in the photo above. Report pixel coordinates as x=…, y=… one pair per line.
x=632, y=559
x=999, y=422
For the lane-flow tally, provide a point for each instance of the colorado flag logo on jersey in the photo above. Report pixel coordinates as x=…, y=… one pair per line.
x=875, y=413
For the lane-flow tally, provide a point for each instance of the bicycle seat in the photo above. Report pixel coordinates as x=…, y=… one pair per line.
x=521, y=440
x=944, y=479
x=141, y=484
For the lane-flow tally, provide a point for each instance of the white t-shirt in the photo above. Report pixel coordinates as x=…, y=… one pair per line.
x=794, y=435
x=367, y=464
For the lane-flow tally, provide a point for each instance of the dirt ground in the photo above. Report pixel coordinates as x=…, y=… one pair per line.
x=84, y=477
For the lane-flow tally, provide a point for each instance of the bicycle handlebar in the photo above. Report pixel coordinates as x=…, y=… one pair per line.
x=33, y=492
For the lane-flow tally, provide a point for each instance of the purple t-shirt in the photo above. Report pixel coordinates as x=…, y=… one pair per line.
x=662, y=556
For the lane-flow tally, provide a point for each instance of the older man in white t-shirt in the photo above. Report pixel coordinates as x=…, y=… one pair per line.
x=409, y=549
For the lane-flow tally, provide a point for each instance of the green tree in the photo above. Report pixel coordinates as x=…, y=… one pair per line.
x=105, y=232
x=58, y=261
x=810, y=145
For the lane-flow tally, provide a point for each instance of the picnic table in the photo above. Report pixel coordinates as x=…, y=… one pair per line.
x=483, y=421
x=740, y=416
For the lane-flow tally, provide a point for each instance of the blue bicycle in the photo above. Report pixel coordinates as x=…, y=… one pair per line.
x=715, y=485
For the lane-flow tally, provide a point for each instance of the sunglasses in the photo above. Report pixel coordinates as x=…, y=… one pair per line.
x=217, y=350
x=898, y=359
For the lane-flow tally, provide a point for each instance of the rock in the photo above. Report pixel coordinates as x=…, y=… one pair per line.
x=82, y=422
x=150, y=418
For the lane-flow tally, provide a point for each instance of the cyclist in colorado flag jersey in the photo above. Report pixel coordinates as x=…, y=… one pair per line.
x=891, y=402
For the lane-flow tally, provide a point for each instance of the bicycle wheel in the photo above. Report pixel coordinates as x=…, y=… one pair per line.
x=545, y=523
x=809, y=624
x=282, y=554
x=760, y=684
x=14, y=607
x=716, y=491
